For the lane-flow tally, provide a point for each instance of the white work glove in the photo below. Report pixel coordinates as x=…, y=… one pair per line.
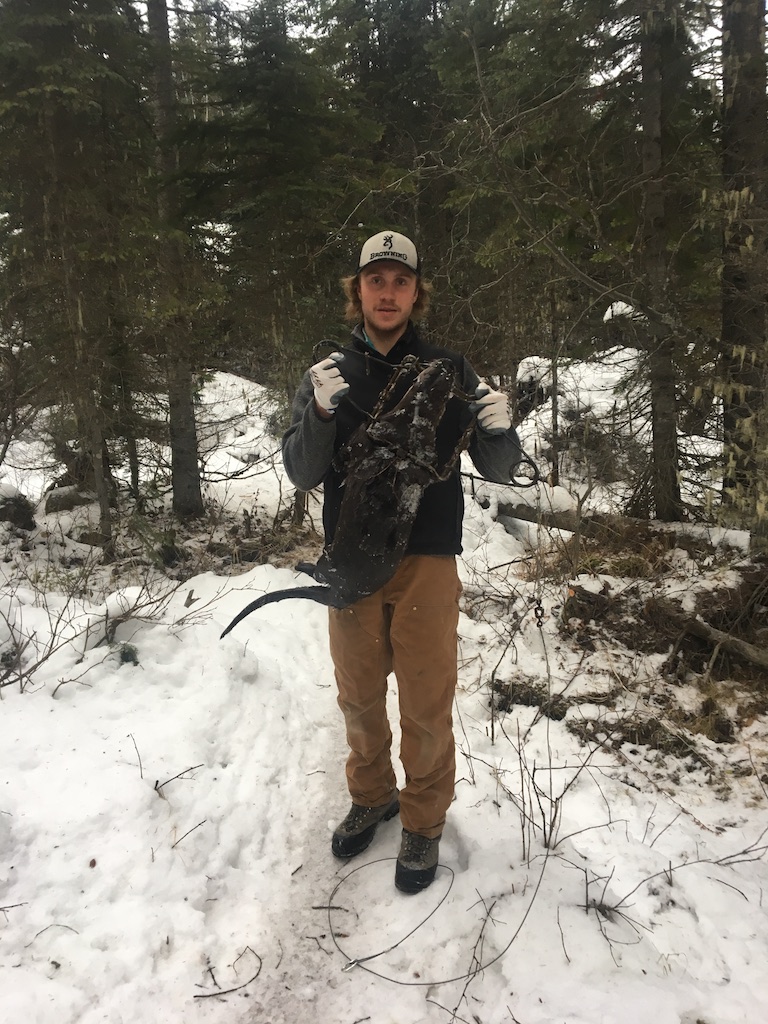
x=329, y=384
x=492, y=408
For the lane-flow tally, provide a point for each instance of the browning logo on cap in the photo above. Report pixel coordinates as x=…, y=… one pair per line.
x=390, y=245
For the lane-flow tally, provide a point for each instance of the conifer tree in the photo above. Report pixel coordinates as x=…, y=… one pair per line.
x=280, y=163
x=175, y=298
x=745, y=266
x=587, y=137
x=71, y=166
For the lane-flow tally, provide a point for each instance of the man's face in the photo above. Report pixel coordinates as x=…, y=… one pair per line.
x=388, y=291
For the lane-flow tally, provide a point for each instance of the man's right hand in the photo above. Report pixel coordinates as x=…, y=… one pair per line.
x=329, y=384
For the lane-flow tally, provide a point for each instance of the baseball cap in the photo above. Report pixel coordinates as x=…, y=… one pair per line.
x=389, y=245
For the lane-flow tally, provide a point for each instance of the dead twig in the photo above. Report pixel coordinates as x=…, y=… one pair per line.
x=187, y=833
x=54, y=925
x=757, y=774
x=454, y=1015
x=11, y=906
x=668, y=825
x=141, y=767
x=159, y=785
x=476, y=965
x=562, y=936
x=229, y=991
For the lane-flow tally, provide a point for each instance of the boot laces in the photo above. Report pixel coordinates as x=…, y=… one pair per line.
x=416, y=845
x=355, y=816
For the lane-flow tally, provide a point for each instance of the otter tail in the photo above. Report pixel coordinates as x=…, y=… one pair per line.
x=322, y=595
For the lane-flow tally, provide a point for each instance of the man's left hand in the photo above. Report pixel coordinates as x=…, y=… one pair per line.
x=492, y=408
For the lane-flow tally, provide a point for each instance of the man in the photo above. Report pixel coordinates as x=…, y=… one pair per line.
x=410, y=624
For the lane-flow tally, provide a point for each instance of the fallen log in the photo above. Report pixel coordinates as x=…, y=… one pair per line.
x=665, y=617
x=601, y=525
x=726, y=642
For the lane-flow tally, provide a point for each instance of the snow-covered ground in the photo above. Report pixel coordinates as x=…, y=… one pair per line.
x=168, y=800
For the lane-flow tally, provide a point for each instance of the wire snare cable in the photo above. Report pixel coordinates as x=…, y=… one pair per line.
x=357, y=962
x=353, y=962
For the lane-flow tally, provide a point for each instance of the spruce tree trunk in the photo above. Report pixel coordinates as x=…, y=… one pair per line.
x=744, y=360
x=185, y=471
x=91, y=436
x=299, y=508
x=554, y=473
x=656, y=28
x=129, y=432
x=103, y=489
x=88, y=413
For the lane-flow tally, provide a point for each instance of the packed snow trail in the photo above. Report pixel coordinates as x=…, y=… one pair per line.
x=91, y=806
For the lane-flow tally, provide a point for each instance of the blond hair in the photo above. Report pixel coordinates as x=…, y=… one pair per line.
x=353, y=312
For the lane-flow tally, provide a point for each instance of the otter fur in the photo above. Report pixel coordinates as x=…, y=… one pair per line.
x=389, y=462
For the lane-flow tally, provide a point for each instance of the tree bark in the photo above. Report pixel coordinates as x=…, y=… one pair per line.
x=88, y=412
x=654, y=109
x=299, y=508
x=718, y=639
x=185, y=470
x=554, y=473
x=598, y=525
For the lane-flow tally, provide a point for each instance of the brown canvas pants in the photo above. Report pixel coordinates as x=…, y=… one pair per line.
x=409, y=627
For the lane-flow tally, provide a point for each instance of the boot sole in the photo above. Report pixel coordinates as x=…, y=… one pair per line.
x=364, y=838
x=411, y=882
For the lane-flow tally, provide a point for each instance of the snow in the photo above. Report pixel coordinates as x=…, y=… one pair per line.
x=168, y=800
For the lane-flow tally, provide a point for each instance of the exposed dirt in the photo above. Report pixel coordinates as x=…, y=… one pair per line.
x=726, y=690
x=642, y=620
x=650, y=732
x=506, y=695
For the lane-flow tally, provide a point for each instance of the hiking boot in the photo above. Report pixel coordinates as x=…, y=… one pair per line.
x=417, y=862
x=355, y=833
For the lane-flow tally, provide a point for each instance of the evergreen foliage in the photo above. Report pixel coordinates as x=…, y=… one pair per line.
x=553, y=160
x=73, y=173
x=280, y=161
